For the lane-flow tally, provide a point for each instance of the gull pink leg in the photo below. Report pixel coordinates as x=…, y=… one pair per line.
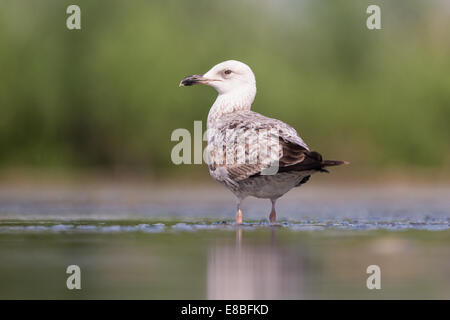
x=273, y=213
x=239, y=214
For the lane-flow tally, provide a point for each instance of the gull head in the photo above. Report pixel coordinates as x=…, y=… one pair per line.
x=227, y=77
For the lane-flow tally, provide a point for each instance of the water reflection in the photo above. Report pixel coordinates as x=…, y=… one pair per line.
x=264, y=267
x=252, y=270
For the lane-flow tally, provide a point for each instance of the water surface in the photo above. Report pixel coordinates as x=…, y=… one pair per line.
x=151, y=244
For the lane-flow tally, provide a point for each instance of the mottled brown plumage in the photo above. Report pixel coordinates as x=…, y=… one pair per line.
x=251, y=154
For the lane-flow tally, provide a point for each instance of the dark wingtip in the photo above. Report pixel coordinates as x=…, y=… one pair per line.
x=315, y=155
x=328, y=163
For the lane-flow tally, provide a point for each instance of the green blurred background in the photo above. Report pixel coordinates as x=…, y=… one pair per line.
x=106, y=97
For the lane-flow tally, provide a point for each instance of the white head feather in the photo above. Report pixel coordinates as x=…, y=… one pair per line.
x=235, y=83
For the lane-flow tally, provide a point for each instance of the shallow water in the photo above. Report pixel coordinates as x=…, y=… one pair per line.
x=114, y=226
x=152, y=260
x=153, y=245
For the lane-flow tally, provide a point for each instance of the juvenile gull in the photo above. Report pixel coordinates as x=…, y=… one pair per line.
x=252, y=155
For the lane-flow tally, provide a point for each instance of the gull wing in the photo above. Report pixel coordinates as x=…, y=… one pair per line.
x=243, y=144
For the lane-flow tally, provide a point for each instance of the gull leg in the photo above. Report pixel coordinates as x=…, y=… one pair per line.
x=273, y=213
x=239, y=213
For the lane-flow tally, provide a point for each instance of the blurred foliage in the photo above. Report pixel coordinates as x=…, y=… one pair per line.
x=107, y=96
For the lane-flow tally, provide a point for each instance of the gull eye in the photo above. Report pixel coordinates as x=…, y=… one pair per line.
x=228, y=71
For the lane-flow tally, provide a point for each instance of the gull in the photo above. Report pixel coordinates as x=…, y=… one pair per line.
x=251, y=154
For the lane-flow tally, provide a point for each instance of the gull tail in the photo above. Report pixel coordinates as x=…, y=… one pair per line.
x=331, y=163
x=308, y=160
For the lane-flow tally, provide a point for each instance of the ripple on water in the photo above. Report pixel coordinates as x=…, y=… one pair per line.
x=306, y=225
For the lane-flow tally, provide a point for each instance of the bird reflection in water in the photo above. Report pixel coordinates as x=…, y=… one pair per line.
x=258, y=270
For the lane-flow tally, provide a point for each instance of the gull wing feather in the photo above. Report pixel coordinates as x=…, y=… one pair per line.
x=227, y=161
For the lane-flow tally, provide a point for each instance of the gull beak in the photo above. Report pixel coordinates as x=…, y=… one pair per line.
x=191, y=80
